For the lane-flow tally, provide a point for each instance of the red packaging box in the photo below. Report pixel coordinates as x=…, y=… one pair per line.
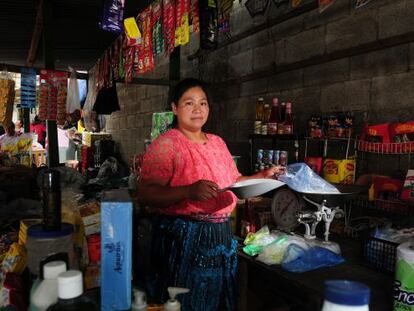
x=377, y=133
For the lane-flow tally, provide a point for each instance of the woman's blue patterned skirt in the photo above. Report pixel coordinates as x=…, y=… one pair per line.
x=200, y=256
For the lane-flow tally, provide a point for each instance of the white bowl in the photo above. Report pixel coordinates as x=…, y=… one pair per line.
x=254, y=187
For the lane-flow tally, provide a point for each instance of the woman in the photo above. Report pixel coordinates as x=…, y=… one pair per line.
x=181, y=177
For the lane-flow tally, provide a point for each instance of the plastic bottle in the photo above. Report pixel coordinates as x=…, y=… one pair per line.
x=45, y=292
x=70, y=293
x=51, y=199
x=274, y=117
x=343, y=295
x=173, y=304
x=140, y=301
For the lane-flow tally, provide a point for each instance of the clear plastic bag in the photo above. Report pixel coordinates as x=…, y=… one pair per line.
x=301, y=178
x=72, y=100
x=256, y=241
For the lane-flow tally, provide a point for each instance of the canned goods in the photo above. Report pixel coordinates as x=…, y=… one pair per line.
x=264, y=129
x=257, y=127
x=269, y=157
x=283, y=158
x=276, y=157
x=259, y=155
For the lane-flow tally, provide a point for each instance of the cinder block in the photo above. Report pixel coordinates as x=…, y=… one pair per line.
x=352, y=31
x=241, y=108
x=394, y=91
x=286, y=80
x=334, y=71
x=346, y=96
x=304, y=100
x=258, y=86
x=131, y=121
x=337, y=11
x=396, y=18
x=287, y=28
x=241, y=64
x=240, y=21
x=378, y=63
x=301, y=46
x=264, y=56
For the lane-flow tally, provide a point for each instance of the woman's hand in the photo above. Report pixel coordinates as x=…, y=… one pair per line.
x=273, y=171
x=202, y=190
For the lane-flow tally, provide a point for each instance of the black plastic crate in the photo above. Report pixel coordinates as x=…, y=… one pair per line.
x=380, y=254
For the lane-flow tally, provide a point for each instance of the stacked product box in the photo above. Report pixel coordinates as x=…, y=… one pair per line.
x=116, y=250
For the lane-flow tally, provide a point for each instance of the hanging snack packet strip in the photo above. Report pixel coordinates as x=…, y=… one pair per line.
x=168, y=13
x=208, y=24
x=129, y=63
x=7, y=94
x=61, y=80
x=194, y=17
x=145, y=56
x=157, y=36
x=182, y=28
x=28, y=88
x=112, y=16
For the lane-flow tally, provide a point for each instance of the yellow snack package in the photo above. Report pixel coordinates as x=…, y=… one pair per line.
x=15, y=260
x=131, y=28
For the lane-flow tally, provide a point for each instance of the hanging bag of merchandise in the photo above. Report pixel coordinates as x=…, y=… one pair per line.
x=28, y=88
x=7, y=94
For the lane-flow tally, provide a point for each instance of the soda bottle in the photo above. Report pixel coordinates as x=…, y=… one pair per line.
x=259, y=116
x=265, y=120
x=280, y=125
x=274, y=117
x=288, y=124
x=343, y=295
x=51, y=200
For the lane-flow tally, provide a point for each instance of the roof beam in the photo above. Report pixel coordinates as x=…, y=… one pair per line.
x=37, y=32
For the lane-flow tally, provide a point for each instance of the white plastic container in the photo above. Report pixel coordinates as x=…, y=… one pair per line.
x=343, y=295
x=45, y=292
x=173, y=304
x=140, y=301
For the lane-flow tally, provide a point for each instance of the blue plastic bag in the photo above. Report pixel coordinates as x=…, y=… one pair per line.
x=302, y=178
x=311, y=259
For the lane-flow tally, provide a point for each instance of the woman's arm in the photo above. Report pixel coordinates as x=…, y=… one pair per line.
x=272, y=172
x=153, y=194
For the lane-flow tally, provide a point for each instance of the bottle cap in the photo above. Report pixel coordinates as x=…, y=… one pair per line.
x=173, y=291
x=261, y=99
x=348, y=293
x=70, y=284
x=52, y=269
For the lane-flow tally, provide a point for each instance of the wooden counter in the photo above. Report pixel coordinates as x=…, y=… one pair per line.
x=264, y=287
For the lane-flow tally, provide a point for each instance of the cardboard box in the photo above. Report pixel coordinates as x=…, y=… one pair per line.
x=116, y=250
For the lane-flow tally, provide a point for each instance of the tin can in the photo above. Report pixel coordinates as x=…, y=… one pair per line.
x=283, y=158
x=264, y=129
x=257, y=127
x=276, y=157
x=259, y=155
x=269, y=157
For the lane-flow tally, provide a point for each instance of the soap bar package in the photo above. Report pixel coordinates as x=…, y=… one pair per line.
x=116, y=250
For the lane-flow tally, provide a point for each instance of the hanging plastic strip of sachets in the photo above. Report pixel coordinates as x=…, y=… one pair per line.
x=182, y=27
x=28, y=88
x=145, y=51
x=168, y=18
x=112, y=16
x=7, y=94
x=53, y=92
x=157, y=35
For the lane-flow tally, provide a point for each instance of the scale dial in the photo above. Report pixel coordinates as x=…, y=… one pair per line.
x=285, y=205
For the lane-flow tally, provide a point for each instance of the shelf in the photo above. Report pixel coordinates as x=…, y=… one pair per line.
x=329, y=139
x=276, y=137
x=386, y=148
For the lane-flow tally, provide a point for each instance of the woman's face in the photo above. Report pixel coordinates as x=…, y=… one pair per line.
x=192, y=109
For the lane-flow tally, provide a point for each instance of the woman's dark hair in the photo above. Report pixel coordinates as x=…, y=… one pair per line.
x=182, y=87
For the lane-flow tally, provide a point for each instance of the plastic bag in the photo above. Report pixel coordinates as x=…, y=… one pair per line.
x=311, y=259
x=302, y=178
x=275, y=252
x=73, y=101
x=256, y=241
x=112, y=16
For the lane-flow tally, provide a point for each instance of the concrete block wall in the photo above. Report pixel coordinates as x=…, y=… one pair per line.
x=132, y=124
x=378, y=84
